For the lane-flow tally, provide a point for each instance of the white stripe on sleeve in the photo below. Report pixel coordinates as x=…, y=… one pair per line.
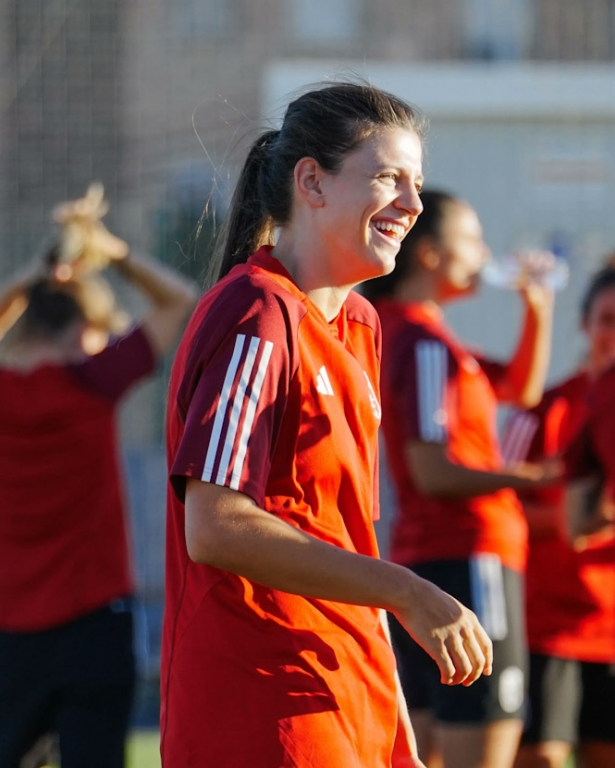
x=233, y=423
x=432, y=369
x=214, y=440
x=488, y=596
x=518, y=436
x=249, y=417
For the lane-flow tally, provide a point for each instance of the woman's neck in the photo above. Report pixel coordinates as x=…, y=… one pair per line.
x=304, y=265
x=419, y=288
x=26, y=355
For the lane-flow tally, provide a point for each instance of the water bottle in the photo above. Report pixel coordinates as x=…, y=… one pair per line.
x=514, y=270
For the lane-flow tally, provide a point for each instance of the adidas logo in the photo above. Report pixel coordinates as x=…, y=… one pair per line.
x=323, y=385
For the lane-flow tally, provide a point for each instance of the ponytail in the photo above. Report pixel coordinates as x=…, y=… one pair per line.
x=248, y=225
x=326, y=124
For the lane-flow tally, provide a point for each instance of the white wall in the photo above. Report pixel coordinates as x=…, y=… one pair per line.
x=532, y=147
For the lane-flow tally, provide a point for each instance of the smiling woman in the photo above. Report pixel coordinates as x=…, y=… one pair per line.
x=274, y=588
x=458, y=521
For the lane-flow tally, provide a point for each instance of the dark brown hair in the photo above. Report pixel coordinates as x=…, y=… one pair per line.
x=326, y=124
x=50, y=310
x=603, y=280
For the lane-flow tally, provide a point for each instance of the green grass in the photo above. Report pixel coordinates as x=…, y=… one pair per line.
x=144, y=750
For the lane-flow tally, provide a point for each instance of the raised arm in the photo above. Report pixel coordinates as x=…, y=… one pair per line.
x=12, y=304
x=171, y=295
x=13, y=295
x=226, y=529
x=526, y=372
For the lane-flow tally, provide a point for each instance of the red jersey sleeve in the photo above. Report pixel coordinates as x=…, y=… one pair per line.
x=598, y=450
x=523, y=438
x=232, y=397
x=530, y=436
x=425, y=377
x=124, y=362
x=494, y=371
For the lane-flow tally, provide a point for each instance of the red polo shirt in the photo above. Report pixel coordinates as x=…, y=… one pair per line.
x=63, y=544
x=434, y=390
x=270, y=399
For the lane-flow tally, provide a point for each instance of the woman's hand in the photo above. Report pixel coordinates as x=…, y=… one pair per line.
x=594, y=523
x=86, y=245
x=449, y=632
x=534, y=284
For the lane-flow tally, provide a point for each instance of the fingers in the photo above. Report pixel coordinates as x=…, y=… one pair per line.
x=465, y=654
x=479, y=649
x=450, y=633
x=446, y=665
x=91, y=206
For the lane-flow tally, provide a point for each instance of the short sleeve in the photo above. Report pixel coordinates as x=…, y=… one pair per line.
x=530, y=436
x=523, y=438
x=495, y=371
x=423, y=387
x=233, y=397
x=123, y=363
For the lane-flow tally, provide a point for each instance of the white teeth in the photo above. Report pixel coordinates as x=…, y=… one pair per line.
x=388, y=226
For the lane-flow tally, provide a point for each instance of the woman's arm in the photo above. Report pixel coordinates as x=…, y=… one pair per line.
x=523, y=382
x=12, y=305
x=171, y=295
x=436, y=475
x=226, y=529
x=589, y=512
x=13, y=300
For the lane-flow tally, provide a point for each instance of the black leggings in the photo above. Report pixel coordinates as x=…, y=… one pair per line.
x=76, y=680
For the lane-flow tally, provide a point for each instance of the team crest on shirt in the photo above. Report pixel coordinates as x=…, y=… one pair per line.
x=324, y=387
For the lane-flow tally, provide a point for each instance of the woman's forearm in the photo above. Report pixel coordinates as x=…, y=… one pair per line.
x=164, y=286
x=527, y=370
x=226, y=529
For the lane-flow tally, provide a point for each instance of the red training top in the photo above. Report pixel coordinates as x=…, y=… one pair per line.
x=570, y=594
x=270, y=399
x=434, y=390
x=63, y=548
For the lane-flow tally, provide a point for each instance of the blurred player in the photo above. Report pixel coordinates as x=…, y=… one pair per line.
x=459, y=522
x=571, y=568
x=274, y=652
x=66, y=657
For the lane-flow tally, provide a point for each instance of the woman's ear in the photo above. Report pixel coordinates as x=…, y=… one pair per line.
x=428, y=254
x=308, y=182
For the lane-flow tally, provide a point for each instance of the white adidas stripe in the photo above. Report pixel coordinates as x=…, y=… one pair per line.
x=233, y=423
x=250, y=413
x=518, y=436
x=431, y=364
x=230, y=441
x=488, y=596
x=214, y=440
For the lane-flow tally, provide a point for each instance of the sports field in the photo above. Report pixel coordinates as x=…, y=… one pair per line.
x=144, y=750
